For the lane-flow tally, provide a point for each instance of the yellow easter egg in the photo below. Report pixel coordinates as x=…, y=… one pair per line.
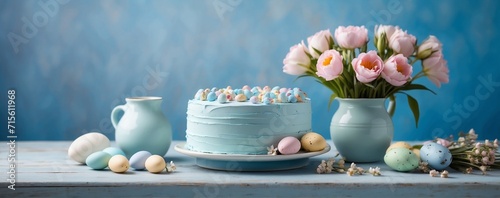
x=118, y=164
x=155, y=164
x=416, y=151
x=313, y=142
x=399, y=145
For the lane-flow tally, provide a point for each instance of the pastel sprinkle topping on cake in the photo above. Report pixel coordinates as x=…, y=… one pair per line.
x=255, y=95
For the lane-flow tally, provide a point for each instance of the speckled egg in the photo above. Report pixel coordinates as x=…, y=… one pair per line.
x=87, y=144
x=401, y=159
x=138, y=160
x=155, y=164
x=114, y=151
x=289, y=145
x=416, y=151
x=313, y=142
x=399, y=145
x=118, y=164
x=98, y=160
x=438, y=156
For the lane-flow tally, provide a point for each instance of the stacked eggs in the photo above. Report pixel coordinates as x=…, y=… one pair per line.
x=309, y=142
x=401, y=156
x=93, y=149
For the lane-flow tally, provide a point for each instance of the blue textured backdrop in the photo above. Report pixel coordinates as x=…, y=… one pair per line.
x=82, y=58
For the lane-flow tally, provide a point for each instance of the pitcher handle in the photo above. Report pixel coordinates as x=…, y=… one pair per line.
x=392, y=105
x=114, y=114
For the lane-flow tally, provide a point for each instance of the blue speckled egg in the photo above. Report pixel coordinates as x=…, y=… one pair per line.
x=438, y=156
x=138, y=160
x=114, y=151
x=98, y=160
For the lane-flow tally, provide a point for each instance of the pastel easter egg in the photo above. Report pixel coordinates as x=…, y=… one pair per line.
x=267, y=100
x=289, y=145
x=87, y=144
x=213, y=89
x=313, y=142
x=254, y=100
x=198, y=94
x=211, y=96
x=292, y=99
x=416, y=151
x=399, y=145
x=155, y=164
x=283, y=90
x=241, y=98
x=98, y=160
x=138, y=160
x=246, y=87
x=114, y=151
x=118, y=164
x=247, y=93
x=436, y=155
x=222, y=98
x=401, y=159
x=282, y=97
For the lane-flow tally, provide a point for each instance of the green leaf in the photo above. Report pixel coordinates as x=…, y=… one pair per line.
x=332, y=97
x=301, y=76
x=392, y=99
x=414, y=108
x=317, y=51
x=416, y=86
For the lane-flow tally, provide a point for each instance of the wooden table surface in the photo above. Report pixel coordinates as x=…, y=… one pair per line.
x=44, y=170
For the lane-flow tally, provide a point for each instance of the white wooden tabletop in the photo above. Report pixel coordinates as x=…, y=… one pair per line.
x=44, y=170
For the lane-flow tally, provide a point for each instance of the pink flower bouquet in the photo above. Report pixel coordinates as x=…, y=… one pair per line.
x=343, y=63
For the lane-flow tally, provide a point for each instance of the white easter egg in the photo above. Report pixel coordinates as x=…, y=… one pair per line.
x=87, y=144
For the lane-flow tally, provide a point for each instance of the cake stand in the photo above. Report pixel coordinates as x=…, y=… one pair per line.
x=238, y=162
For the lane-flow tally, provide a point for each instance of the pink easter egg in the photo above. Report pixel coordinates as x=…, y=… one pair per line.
x=289, y=145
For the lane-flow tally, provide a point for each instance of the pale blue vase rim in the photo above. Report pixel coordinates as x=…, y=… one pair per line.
x=143, y=98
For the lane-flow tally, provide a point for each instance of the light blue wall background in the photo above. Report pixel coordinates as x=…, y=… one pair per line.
x=92, y=54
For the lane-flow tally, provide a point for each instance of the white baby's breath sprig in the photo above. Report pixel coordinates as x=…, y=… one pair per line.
x=444, y=174
x=374, y=171
x=272, y=151
x=433, y=173
x=171, y=167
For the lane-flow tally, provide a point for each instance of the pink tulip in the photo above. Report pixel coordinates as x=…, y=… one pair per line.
x=296, y=61
x=402, y=42
x=319, y=41
x=429, y=46
x=436, y=68
x=329, y=65
x=367, y=66
x=443, y=142
x=351, y=37
x=397, y=71
x=387, y=29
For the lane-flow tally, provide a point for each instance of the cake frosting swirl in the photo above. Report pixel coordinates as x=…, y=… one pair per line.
x=247, y=120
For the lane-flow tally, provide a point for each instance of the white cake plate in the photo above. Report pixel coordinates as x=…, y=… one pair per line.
x=238, y=162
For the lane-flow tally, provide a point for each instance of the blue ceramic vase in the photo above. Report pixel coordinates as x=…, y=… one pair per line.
x=361, y=129
x=143, y=127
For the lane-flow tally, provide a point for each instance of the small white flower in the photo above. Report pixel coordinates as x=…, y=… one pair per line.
x=444, y=174
x=272, y=151
x=374, y=171
x=433, y=173
x=172, y=167
x=483, y=169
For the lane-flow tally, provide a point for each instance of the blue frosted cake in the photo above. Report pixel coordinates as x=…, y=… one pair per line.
x=247, y=120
